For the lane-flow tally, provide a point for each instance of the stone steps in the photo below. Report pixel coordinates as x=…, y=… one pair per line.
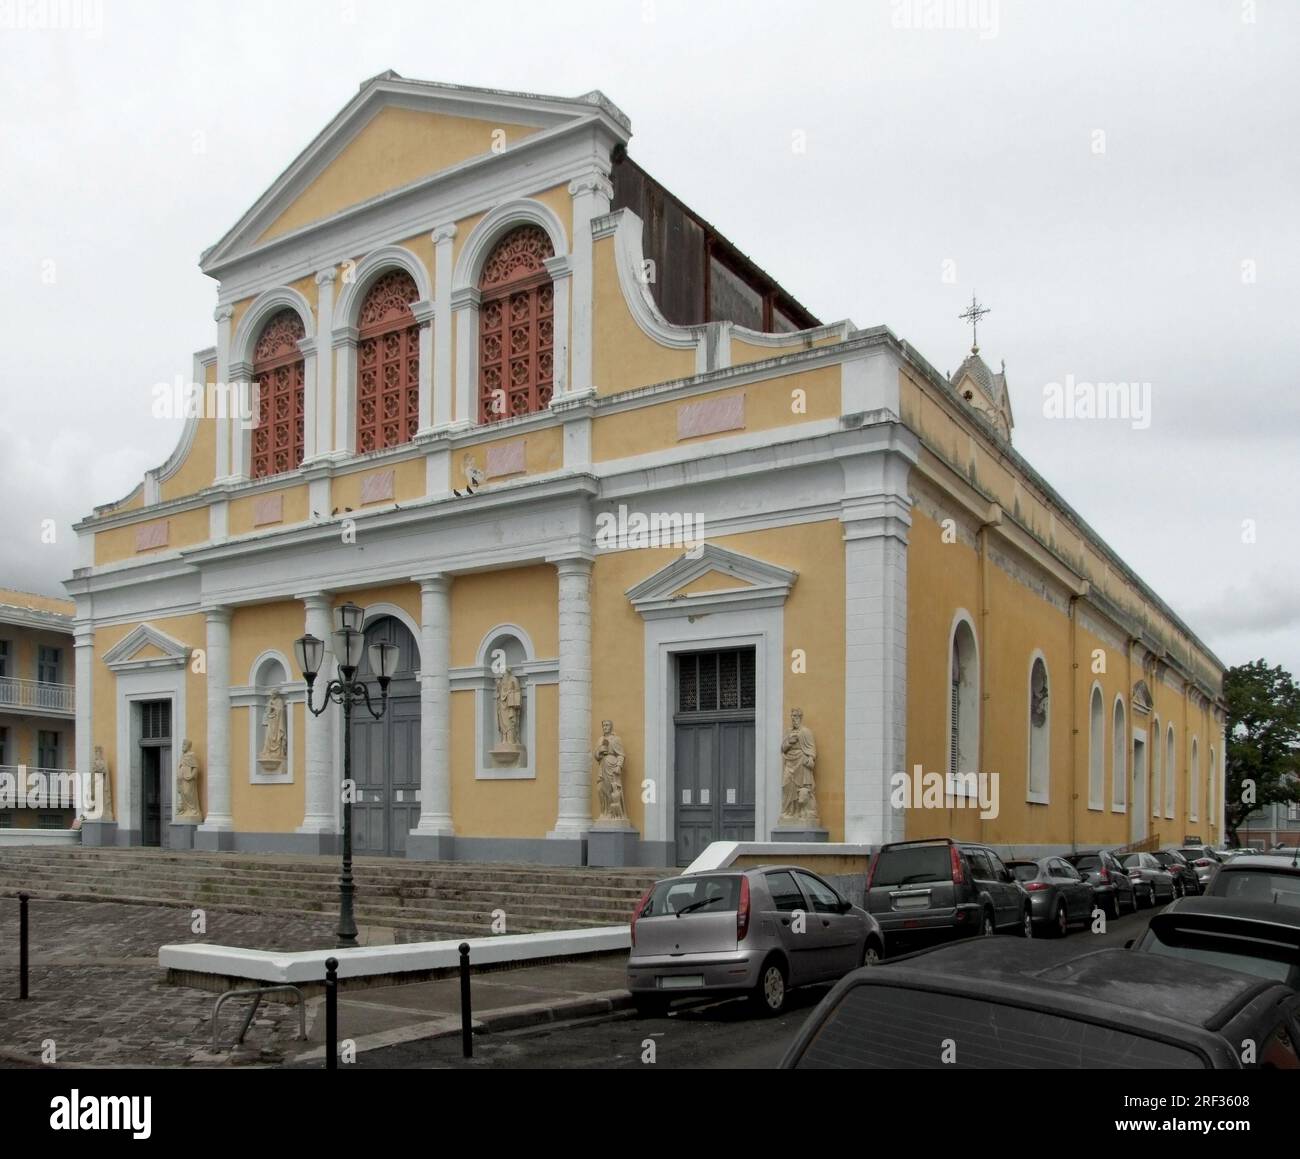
x=434, y=898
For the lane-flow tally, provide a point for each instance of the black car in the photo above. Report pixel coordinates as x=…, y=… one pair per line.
x=1046, y=1006
x=1111, y=887
x=1261, y=877
x=1186, y=883
x=940, y=888
x=1254, y=937
x=1059, y=895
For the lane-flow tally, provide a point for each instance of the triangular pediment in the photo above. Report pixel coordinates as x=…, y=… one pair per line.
x=393, y=136
x=146, y=647
x=713, y=578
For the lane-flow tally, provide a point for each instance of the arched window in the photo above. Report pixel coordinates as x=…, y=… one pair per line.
x=388, y=364
x=516, y=326
x=1119, y=762
x=1171, y=774
x=278, y=372
x=1194, y=784
x=1155, y=770
x=963, y=713
x=1096, y=752
x=1040, y=772
x=1211, y=777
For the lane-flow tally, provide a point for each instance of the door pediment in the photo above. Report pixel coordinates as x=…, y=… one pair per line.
x=711, y=579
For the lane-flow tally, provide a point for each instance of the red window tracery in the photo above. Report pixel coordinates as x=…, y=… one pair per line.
x=388, y=364
x=278, y=372
x=516, y=326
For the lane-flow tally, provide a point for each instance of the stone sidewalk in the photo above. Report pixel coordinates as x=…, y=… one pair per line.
x=99, y=999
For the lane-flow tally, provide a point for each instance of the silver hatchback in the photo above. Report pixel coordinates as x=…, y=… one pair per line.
x=758, y=932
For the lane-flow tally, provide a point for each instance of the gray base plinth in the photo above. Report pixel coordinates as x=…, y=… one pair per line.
x=98, y=833
x=214, y=840
x=613, y=846
x=541, y=850
x=180, y=835
x=430, y=846
x=801, y=834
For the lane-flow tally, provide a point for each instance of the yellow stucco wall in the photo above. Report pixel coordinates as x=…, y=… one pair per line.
x=408, y=483
x=239, y=519
x=543, y=452
x=118, y=543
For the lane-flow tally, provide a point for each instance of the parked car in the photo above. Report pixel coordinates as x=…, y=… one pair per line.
x=939, y=888
x=1045, y=1006
x=1152, y=882
x=756, y=932
x=1254, y=937
x=1259, y=877
x=1205, y=860
x=1059, y=895
x=1186, y=883
x=1112, y=888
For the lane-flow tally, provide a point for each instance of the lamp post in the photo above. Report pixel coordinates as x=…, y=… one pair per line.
x=346, y=690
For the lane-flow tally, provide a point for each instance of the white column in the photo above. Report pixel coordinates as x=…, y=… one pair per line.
x=319, y=814
x=574, y=815
x=241, y=429
x=876, y=522
x=83, y=636
x=424, y=313
x=310, y=404
x=442, y=339
x=345, y=396
x=226, y=423
x=464, y=305
x=435, y=706
x=219, y=819
x=591, y=199
x=324, y=424
x=561, y=271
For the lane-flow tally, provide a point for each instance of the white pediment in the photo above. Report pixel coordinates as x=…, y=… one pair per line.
x=146, y=647
x=540, y=115
x=758, y=584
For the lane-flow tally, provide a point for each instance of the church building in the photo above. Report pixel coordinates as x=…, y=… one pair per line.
x=664, y=558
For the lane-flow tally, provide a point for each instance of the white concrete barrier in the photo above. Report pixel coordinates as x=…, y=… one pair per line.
x=271, y=966
x=721, y=854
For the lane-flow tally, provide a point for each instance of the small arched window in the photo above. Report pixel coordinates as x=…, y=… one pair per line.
x=1171, y=774
x=1119, y=762
x=1211, y=771
x=278, y=372
x=1194, y=784
x=1040, y=770
x=388, y=364
x=1096, y=752
x=1155, y=770
x=963, y=718
x=516, y=326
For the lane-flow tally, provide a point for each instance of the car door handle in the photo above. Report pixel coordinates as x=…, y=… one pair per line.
x=785, y=921
x=826, y=921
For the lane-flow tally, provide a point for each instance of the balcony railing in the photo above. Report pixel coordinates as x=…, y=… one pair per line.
x=29, y=787
x=40, y=695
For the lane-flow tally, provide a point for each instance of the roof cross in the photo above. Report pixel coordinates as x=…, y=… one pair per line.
x=973, y=314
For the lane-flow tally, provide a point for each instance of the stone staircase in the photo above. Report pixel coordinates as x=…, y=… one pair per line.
x=434, y=899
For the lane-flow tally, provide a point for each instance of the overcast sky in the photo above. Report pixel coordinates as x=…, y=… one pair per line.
x=1117, y=181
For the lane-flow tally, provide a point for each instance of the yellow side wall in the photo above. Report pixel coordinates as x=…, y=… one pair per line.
x=118, y=543
x=408, y=483
x=543, y=452
x=240, y=516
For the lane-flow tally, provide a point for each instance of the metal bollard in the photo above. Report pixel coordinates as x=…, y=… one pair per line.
x=466, y=1019
x=22, y=945
x=331, y=1014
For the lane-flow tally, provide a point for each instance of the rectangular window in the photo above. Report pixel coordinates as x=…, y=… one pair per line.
x=155, y=719
x=4, y=745
x=4, y=658
x=47, y=750
x=716, y=681
x=7, y=821
x=1292, y=810
x=48, y=664
x=50, y=821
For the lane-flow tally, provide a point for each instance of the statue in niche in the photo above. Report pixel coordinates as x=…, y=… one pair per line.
x=275, y=738
x=610, y=758
x=102, y=786
x=798, y=788
x=509, y=710
x=187, y=784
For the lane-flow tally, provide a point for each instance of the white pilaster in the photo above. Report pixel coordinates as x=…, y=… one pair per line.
x=435, y=706
x=226, y=423
x=324, y=418
x=319, y=814
x=219, y=819
x=561, y=270
x=442, y=327
x=345, y=390
x=241, y=438
x=591, y=199
x=574, y=813
x=424, y=313
x=310, y=401
x=83, y=637
x=465, y=305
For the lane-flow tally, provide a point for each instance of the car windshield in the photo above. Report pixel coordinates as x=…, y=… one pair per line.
x=1255, y=958
x=1130, y=859
x=1258, y=885
x=706, y=894
x=1193, y=854
x=1164, y=858
x=1086, y=862
x=1024, y=872
x=912, y=864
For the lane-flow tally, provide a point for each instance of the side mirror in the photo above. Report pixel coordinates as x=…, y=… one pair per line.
x=1129, y=944
x=845, y=905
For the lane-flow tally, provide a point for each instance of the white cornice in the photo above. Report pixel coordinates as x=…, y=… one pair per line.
x=121, y=657
x=759, y=584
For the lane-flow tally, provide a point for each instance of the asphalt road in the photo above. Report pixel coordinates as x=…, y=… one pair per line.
x=717, y=1035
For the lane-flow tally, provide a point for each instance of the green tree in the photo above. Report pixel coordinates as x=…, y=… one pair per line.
x=1263, y=740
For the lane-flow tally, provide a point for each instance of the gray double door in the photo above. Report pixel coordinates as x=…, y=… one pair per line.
x=386, y=753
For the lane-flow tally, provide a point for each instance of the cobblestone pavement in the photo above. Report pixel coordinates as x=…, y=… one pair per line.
x=97, y=993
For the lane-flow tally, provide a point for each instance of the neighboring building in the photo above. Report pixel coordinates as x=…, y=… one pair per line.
x=37, y=712
x=1272, y=825
x=507, y=381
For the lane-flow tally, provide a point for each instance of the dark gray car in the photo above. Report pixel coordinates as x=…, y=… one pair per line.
x=1259, y=877
x=939, y=888
x=1111, y=887
x=1059, y=895
x=1152, y=881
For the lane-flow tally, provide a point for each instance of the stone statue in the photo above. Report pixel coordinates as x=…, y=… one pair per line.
x=798, y=788
x=187, y=784
x=610, y=757
x=102, y=786
x=509, y=702
x=275, y=740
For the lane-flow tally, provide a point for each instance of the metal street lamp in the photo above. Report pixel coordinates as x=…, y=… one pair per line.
x=346, y=690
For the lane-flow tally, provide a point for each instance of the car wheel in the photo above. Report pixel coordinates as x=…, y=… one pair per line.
x=1062, y=926
x=872, y=953
x=1149, y=898
x=1133, y=903
x=1027, y=924
x=1110, y=907
x=987, y=928
x=650, y=1006
x=770, y=993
